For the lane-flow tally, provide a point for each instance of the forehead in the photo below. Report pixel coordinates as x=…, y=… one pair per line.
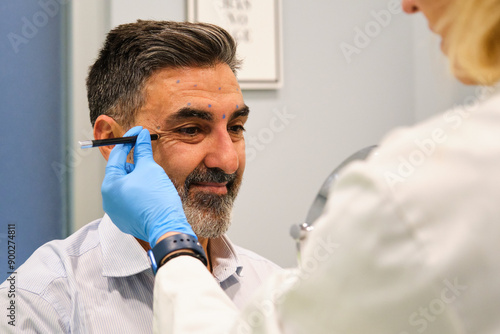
x=178, y=86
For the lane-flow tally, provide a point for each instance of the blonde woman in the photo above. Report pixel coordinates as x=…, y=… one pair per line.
x=409, y=242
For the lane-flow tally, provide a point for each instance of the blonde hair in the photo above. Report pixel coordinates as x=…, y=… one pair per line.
x=473, y=39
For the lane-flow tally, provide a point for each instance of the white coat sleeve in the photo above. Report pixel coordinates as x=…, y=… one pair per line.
x=187, y=299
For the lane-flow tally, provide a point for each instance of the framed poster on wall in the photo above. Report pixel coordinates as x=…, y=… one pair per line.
x=256, y=26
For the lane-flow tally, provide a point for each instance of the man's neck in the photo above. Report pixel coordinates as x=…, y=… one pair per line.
x=144, y=244
x=203, y=241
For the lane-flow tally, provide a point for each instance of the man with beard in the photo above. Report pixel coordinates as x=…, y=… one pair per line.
x=176, y=80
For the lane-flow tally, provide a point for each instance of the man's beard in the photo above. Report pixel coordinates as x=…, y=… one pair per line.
x=209, y=214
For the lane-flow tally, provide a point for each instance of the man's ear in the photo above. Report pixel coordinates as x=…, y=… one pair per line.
x=104, y=128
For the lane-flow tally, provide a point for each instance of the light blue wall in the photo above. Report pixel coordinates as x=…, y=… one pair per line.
x=32, y=122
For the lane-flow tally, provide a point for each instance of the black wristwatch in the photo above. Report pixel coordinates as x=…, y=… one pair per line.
x=159, y=254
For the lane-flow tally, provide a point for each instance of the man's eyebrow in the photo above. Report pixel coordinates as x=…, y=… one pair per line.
x=186, y=113
x=242, y=112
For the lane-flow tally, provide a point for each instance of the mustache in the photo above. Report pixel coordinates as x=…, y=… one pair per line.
x=209, y=175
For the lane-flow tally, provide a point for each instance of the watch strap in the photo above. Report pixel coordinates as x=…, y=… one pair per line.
x=159, y=254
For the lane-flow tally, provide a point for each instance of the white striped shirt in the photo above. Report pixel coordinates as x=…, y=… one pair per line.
x=99, y=280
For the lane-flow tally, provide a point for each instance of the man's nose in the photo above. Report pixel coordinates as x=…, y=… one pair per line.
x=410, y=6
x=222, y=153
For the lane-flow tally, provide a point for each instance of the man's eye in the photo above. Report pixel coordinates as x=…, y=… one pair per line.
x=190, y=131
x=236, y=129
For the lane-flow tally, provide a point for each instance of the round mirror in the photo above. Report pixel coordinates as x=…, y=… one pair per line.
x=299, y=232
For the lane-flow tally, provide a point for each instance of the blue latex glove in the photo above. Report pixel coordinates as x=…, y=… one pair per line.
x=140, y=199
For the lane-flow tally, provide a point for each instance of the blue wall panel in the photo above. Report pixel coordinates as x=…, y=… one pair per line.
x=31, y=125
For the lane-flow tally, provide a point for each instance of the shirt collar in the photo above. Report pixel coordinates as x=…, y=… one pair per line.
x=225, y=261
x=122, y=255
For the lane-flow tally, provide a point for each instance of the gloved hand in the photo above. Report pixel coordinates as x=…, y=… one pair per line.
x=140, y=199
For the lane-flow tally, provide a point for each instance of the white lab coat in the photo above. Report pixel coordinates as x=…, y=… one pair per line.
x=408, y=243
